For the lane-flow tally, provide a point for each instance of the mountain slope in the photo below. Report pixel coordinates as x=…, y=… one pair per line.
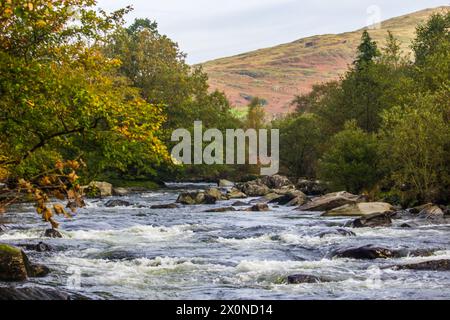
x=279, y=73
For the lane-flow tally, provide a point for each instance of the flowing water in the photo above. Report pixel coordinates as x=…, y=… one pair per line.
x=141, y=253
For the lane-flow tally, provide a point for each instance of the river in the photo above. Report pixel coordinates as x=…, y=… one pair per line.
x=141, y=253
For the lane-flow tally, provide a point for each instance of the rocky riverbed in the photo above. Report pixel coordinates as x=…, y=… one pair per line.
x=155, y=245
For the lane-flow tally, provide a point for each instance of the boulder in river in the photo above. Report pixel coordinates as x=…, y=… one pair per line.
x=373, y=220
x=52, y=233
x=216, y=193
x=239, y=204
x=120, y=192
x=276, y=181
x=98, y=189
x=360, y=209
x=40, y=247
x=255, y=188
x=431, y=211
x=117, y=203
x=432, y=265
x=236, y=194
x=311, y=187
x=304, y=278
x=31, y=293
x=164, y=206
x=259, y=207
x=227, y=209
x=338, y=231
x=370, y=252
x=195, y=198
x=12, y=264
x=225, y=184
x=331, y=201
x=291, y=198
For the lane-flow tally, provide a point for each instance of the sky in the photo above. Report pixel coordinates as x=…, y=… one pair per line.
x=211, y=29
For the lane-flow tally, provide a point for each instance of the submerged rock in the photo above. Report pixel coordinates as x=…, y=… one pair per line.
x=117, y=203
x=195, y=198
x=165, y=206
x=373, y=221
x=304, y=278
x=2, y=228
x=239, y=204
x=259, y=207
x=370, y=252
x=433, y=265
x=227, y=209
x=52, y=233
x=338, y=231
x=32, y=293
x=40, y=247
x=360, y=209
x=331, y=201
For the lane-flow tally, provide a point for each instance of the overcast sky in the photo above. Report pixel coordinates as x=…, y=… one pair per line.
x=210, y=29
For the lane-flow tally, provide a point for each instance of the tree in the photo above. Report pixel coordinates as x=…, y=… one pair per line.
x=367, y=51
x=416, y=149
x=256, y=115
x=351, y=161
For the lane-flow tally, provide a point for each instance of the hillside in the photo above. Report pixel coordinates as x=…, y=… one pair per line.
x=279, y=73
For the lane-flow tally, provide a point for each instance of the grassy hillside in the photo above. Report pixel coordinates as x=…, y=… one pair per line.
x=278, y=73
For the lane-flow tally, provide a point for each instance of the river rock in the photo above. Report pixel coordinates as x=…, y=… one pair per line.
x=98, y=189
x=259, y=207
x=276, y=181
x=195, y=198
x=291, y=198
x=117, y=203
x=52, y=233
x=120, y=192
x=31, y=293
x=331, y=201
x=239, y=204
x=304, y=278
x=360, y=209
x=225, y=183
x=430, y=211
x=433, y=265
x=338, y=231
x=216, y=193
x=373, y=220
x=370, y=252
x=255, y=188
x=227, y=209
x=164, y=206
x=311, y=187
x=12, y=264
x=40, y=247
x=236, y=194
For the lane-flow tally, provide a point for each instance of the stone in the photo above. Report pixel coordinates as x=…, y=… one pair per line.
x=259, y=207
x=338, y=231
x=12, y=264
x=216, y=193
x=227, y=209
x=98, y=189
x=236, y=194
x=433, y=265
x=165, y=206
x=117, y=203
x=304, y=278
x=331, y=201
x=430, y=211
x=276, y=181
x=255, y=188
x=52, y=233
x=239, y=204
x=225, y=183
x=40, y=247
x=195, y=198
x=311, y=187
x=120, y=192
x=373, y=220
x=360, y=209
x=370, y=252
x=291, y=198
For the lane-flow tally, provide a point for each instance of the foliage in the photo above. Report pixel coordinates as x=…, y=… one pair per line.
x=351, y=161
